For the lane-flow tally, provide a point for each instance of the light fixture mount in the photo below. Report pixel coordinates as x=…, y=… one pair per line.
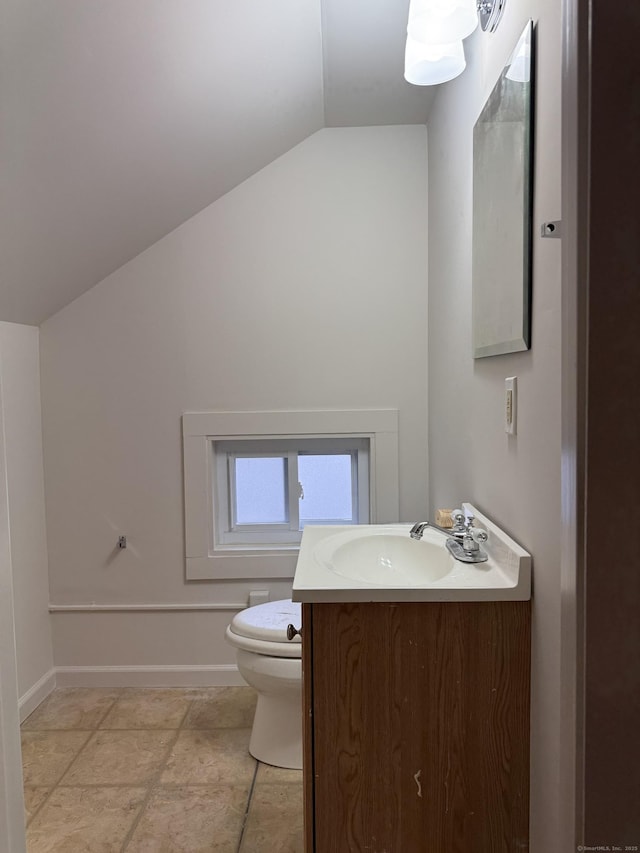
x=490, y=12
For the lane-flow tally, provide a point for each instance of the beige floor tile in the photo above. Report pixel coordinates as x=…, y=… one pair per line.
x=208, y=775
x=47, y=755
x=33, y=799
x=267, y=773
x=274, y=822
x=210, y=757
x=147, y=709
x=85, y=820
x=71, y=708
x=120, y=758
x=223, y=707
x=191, y=820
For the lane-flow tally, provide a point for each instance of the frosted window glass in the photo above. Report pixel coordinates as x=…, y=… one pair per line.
x=261, y=496
x=326, y=483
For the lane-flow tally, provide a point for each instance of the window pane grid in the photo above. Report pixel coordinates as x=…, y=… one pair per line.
x=294, y=503
x=327, y=488
x=271, y=493
x=259, y=490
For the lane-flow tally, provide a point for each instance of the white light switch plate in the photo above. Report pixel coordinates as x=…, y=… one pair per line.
x=510, y=404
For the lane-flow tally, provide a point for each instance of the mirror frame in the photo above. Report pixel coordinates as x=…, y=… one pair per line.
x=507, y=218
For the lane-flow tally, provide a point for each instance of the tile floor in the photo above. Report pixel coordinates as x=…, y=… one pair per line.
x=154, y=771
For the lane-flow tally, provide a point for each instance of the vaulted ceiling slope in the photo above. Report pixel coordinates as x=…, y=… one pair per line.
x=121, y=119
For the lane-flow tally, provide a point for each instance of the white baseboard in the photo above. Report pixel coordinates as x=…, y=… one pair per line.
x=220, y=675
x=36, y=694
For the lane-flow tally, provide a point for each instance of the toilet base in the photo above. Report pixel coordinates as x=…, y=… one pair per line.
x=276, y=737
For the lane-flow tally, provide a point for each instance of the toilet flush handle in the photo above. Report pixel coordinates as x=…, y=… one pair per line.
x=292, y=632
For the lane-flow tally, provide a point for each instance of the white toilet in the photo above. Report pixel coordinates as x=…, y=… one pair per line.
x=272, y=665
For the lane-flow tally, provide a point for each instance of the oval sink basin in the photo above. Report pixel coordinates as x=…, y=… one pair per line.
x=385, y=557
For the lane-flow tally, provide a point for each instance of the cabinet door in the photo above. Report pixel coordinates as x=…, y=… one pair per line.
x=420, y=727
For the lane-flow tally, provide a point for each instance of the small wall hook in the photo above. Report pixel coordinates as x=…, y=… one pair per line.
x=122, y=542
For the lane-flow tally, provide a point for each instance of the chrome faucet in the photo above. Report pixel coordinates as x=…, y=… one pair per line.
x=418, y=529
x=457, y=531
x=463, y=539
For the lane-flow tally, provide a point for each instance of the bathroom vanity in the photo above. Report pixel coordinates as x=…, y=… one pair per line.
x=416, y=704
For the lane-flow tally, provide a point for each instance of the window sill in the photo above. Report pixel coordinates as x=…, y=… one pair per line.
x=259, y=548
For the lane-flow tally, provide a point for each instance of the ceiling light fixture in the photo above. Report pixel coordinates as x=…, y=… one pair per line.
x=441, y=21
x=490, y=13
x=435, y=30
x=430, y=64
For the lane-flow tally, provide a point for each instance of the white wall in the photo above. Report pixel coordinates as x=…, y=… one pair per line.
x=19, y=365
x=125, y=119
x=303, y=288
x=514, y=480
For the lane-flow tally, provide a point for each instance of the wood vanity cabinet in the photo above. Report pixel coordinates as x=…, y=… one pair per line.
x=416, y=727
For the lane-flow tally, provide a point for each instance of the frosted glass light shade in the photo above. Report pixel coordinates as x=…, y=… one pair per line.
x=428, y=65
x=441, y=21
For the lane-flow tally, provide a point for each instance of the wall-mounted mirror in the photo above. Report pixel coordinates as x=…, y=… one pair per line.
x=502, y=209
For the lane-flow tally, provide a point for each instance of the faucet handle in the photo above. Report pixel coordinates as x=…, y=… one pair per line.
x=479, y=535
x=459, y=527
x=472, y=538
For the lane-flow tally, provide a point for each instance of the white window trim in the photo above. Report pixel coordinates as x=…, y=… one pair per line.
x=207, y=561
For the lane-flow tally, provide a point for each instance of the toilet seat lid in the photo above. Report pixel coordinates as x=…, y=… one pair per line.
x=268, y=621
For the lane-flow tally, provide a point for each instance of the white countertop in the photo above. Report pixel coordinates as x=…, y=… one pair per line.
x=506, y=576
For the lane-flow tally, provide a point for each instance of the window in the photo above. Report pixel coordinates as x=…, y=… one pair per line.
x=253, y=480
x=265, y=491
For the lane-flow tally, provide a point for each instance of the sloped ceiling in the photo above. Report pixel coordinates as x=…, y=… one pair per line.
x=120, y=119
